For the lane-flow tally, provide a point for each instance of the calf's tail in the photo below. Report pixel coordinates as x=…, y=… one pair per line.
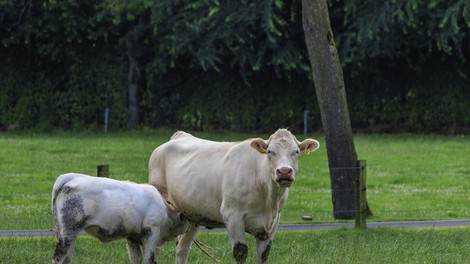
x=61, y=181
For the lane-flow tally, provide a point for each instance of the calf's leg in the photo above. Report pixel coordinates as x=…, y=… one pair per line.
x=64, y=248
x=151, y=245
x=133, y=249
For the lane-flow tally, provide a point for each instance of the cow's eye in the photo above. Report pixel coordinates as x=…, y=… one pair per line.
x=297, y=151
x=270, y=152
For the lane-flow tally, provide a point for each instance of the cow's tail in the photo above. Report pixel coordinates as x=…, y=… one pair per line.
x=59, y=184
x=208, y=251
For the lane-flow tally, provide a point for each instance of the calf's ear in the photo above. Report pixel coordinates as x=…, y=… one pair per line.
x=260, y=145
x=308, y=146
x=181, y=217
x=173, y=213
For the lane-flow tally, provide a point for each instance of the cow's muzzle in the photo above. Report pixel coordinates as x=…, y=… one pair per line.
x=285, y=176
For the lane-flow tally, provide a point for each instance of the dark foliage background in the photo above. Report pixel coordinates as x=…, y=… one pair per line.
x=230, y=65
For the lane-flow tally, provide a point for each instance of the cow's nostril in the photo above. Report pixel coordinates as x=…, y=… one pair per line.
x=284, y=171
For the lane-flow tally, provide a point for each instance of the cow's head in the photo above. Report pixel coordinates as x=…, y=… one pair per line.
x=282, y=150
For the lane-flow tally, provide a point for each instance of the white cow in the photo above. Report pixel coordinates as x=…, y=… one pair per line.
x=109, y=210
x=240, y=185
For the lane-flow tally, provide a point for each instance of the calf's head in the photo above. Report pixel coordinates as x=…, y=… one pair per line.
x=282, y=150
x=178, y=223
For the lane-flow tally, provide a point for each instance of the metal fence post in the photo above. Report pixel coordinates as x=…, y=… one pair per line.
x=106, y=120
x=305, y=122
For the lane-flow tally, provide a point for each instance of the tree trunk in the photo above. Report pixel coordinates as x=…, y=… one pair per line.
x=133, y=88
x=329, y=86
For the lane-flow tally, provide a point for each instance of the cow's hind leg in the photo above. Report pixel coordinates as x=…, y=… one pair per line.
x=64, y=249
x=184, y=243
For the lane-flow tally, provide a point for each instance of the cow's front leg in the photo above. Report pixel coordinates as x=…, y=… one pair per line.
x=262, y=249
x=236, y=230
x=263, y=244
x=184, y=243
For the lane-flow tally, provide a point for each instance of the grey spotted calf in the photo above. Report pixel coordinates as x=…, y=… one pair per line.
x=109, y=210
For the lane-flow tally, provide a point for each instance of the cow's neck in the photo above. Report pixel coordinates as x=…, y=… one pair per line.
x=275, y=203
x=277, y=197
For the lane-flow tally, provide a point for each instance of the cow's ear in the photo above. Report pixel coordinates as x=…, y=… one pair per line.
x=308, y=145
x=260, y=145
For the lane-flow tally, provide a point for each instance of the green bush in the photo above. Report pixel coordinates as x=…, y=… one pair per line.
x=74, y=101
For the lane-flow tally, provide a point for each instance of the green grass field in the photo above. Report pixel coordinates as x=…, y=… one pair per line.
x=409, y=177
x=378, y=245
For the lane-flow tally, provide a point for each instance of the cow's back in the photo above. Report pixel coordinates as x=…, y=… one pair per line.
x=188, y=172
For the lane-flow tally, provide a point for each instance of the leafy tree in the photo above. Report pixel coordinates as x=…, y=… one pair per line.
x=48, y=49
x=204, y=34
x=60, y=49
x=411, y=30
x=391, y=52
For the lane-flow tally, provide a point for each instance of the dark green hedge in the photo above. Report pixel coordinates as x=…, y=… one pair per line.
x=75, y=100
x=434, y=99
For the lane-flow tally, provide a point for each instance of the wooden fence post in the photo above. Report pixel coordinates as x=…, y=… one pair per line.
x=361, y=198
x=102, y=171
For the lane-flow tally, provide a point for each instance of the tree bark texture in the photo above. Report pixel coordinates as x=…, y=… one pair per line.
x=329, y=86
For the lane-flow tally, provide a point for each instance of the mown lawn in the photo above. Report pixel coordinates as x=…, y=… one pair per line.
x=348, y=246
x=409, y=176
